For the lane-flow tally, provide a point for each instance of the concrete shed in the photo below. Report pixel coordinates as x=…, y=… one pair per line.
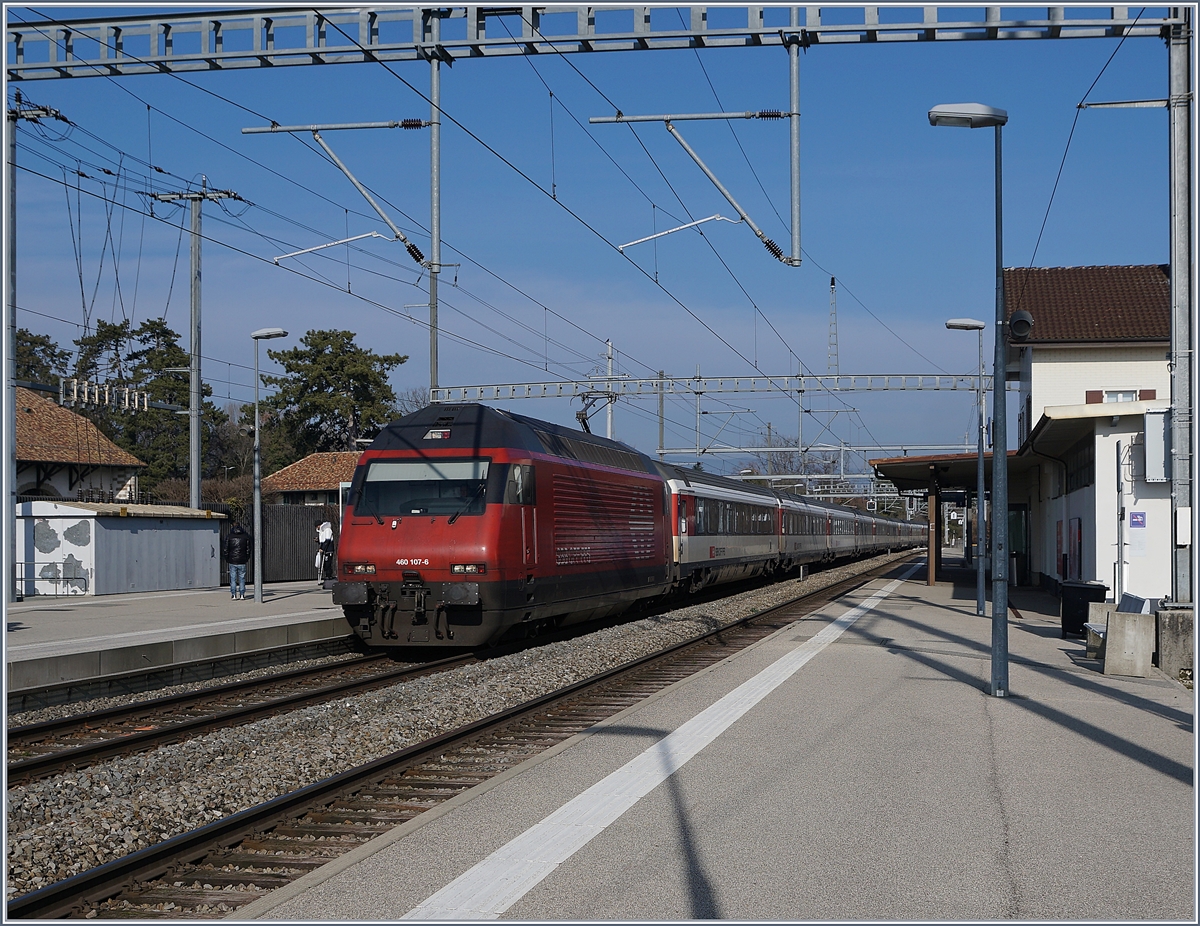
x=86, y=548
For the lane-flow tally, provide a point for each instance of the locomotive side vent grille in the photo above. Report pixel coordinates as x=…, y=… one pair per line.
x=600, y=522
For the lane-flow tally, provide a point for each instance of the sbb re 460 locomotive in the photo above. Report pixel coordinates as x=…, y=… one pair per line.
x=465, y=523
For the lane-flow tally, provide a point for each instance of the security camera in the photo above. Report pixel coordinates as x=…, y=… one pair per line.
x=1019, y=325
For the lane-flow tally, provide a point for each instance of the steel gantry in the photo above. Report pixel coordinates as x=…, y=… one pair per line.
x=231, y=39
x=266, y=38
x=703, y=385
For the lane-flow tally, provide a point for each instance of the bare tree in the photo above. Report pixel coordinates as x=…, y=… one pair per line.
x=412, y=400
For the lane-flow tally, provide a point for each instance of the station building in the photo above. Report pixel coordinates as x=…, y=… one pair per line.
x=1091, y=468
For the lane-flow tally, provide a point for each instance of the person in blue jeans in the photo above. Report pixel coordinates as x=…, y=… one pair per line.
x=238, y=546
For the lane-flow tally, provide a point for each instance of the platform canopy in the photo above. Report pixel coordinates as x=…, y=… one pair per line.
x=949, y=471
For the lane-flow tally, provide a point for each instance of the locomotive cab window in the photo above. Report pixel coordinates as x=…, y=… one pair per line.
x=395, y=488
x=521, y=486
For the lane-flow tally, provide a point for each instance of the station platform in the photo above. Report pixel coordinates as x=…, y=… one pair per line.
x=850, y=766
x=53, y=640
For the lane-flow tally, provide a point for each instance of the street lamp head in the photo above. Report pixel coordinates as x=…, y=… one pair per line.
x=967, y=115
x=966, y=324
x=264, y=334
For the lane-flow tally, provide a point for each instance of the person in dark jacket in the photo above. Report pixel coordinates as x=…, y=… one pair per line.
x=238, y=547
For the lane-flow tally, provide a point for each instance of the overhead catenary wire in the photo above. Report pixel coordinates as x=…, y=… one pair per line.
x=1063, y=162
x=316, y=194
x=591, y=228
x=757, y=310
x=277, y=241
x=458, y=338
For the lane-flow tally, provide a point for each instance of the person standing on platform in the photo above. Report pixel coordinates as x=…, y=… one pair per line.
x=238, y=549
x=324, y=550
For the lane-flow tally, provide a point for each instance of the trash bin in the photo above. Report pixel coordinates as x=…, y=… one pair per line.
x=1074, y=607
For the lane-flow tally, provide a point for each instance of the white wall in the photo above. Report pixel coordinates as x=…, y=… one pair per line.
x=1063, y=375
x=109, y=555
x=122, y=482
x=57, y=550
x=1148, y=549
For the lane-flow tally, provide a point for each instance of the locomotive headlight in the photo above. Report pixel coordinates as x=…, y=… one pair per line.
x=469, y=569
x=360, y=569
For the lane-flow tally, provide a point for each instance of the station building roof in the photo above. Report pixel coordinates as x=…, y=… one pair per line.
x=950, y=471
x=1073, y=305
x=49, y=433
x=317, y=472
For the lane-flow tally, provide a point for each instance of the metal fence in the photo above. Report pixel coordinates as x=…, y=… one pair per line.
x=53, y=577
x=289, y=539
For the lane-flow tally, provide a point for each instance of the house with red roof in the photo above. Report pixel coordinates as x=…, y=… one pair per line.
x=62, y=454
x=315, y=480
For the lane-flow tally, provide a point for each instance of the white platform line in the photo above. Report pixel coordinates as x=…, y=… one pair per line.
x=505, y=876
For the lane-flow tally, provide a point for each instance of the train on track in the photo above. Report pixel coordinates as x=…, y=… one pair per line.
x=467, y=524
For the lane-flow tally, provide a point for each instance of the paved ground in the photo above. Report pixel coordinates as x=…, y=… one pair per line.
x=875, y=780
x=40, y=626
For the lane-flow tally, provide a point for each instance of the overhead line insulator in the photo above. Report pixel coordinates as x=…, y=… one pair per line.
x=771, y=114
x=411, y=124
x=415, y=253
x=776, y=250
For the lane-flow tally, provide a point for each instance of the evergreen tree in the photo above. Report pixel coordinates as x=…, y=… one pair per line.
x=142, y=358
x=333, y=393
x=39, y=358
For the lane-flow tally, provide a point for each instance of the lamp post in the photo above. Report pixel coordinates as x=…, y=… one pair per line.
x=262, y=334
x=978, y=116
x=971, y=324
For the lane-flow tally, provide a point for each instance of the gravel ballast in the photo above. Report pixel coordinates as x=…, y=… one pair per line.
x=60, y=826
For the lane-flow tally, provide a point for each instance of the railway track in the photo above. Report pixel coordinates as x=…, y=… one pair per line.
x=53, y=746
x=215, y=869
x=71, y=743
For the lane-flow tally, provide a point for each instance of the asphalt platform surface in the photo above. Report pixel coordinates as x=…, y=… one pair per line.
x=851, y=766
x=53, y=640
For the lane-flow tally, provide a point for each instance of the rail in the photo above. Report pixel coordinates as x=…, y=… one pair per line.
x=430, y=769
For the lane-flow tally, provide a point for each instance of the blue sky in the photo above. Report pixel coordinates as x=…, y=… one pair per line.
x=899, y=211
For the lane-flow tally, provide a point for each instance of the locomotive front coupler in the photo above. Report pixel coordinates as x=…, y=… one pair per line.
x=413, y=591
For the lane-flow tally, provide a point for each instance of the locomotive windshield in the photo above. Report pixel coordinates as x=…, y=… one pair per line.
x=398, y=488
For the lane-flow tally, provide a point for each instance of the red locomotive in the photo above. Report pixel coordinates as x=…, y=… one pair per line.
x=467, y=523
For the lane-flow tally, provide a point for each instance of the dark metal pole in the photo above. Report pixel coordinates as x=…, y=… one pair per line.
x=435, y=189
x=794, y=120
x=980, y=502
x=258, y=589
x=999, y=686
x=14, y=591
x=194, y=385
x=1183, y=332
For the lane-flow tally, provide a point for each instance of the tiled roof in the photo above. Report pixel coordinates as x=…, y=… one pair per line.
x=1130, y=303
x=49, y=433
x=316, y=472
